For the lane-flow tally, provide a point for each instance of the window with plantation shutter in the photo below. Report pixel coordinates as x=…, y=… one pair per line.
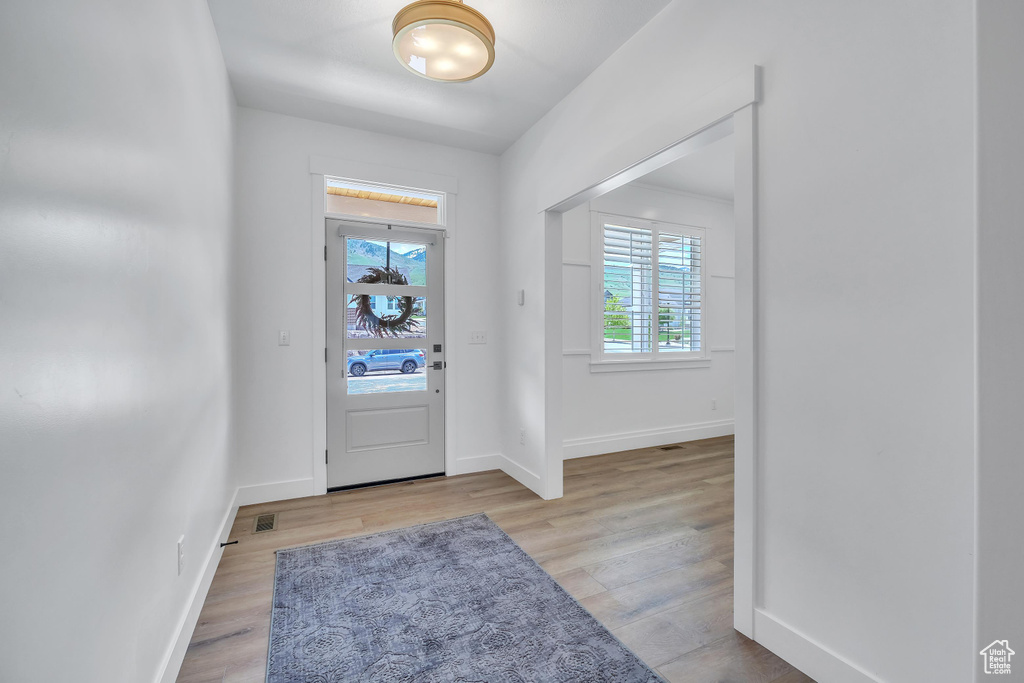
x=652, y=290
x=628, y=287
x=679, y=292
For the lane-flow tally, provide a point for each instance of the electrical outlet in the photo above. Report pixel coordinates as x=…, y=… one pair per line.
x=477, y=337
x=181, y=555
x=522, y=436
x=714, y=404
x=284, y=338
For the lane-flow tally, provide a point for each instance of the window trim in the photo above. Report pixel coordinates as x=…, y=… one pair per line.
x=600, y=361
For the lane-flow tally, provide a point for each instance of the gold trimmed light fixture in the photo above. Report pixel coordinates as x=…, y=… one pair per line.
x=443, y=40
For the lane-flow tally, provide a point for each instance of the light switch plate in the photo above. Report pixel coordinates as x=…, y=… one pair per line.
x=284, y=338
x=477, y=337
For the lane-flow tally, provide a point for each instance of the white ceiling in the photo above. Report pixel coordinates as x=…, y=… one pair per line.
x=708, y=171
x=331, y=60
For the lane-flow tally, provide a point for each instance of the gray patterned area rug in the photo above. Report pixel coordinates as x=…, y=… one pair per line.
x=455, y=601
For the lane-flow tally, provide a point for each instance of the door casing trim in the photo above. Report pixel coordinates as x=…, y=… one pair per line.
x=320, y=168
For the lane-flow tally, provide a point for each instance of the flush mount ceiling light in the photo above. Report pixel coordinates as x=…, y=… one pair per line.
x=443, y=40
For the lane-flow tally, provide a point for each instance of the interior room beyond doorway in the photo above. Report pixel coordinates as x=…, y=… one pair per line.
x=649, y=308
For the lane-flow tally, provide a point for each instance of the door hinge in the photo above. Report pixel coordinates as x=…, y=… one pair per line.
x=325, y=354
x=325, y=252
x=327, y=458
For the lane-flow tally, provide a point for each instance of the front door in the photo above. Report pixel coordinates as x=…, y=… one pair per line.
x=385, y=353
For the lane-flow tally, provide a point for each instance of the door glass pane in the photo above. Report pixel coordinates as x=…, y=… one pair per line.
x=387, y=317
x=395, y=263
x=386, y=371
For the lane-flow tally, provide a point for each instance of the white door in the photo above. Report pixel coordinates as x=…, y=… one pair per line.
x=385, y=353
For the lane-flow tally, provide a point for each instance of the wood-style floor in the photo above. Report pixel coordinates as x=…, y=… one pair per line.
x=643, y=539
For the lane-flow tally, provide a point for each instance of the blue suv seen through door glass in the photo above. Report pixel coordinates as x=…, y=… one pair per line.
x=404, y=360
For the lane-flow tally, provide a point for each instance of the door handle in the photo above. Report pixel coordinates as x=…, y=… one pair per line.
x=439, y=365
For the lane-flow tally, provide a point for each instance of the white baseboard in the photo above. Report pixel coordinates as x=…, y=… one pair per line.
x=176, y=653
x=811, y=657
x=522, y=475
x=498, y=461
x=626, y=441
x=280, y=490
x=478, y=463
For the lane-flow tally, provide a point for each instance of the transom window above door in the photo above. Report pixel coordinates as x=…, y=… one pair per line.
x=383, y=203
x=650, y=295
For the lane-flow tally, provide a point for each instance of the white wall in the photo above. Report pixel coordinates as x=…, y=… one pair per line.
x=1000, y=329
x=116, y=127
x=274, y=409
x=610, y=411
x=865, y=492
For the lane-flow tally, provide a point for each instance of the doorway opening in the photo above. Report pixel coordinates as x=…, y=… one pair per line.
x=385, y=350
x=649, y=309
x=646, y=271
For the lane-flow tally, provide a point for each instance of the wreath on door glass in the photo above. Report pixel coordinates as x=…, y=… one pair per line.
x=385, y=325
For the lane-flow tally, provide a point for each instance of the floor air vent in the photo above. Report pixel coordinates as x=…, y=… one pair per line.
x=673, y=447
x=265, y=523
